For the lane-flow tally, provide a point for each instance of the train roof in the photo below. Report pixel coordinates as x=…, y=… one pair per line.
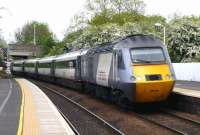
x=70, y=55
x=31, y=60
x=18, y=61
x=138, y=40
x=46, y=59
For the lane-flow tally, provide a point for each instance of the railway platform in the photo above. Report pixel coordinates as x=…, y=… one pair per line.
x=186, y=96
x=187, y=88
x=26, y=110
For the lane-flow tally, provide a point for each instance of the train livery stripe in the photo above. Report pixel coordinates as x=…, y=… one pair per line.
x=103, y=69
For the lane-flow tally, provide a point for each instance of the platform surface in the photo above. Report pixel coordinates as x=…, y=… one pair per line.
x=187, y=88
x=10, y=101
x=40, y=117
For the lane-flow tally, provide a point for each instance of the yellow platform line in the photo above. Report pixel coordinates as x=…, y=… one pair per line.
x=28, y=123
x=20, y=125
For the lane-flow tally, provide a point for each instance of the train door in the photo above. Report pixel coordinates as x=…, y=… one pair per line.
x=78, y=68
x=90, y=69
x=104, y=68
x=52, y=70
x=36, y=68
x=113, y=79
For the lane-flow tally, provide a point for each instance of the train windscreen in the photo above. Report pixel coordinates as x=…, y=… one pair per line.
x=147, y=55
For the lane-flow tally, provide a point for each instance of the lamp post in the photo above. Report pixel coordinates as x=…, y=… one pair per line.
x=158, y=26
x=34, y=35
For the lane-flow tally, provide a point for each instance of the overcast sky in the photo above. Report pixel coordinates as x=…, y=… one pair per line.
x=58, y=13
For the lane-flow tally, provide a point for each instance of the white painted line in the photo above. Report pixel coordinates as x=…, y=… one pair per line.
x=6, y=99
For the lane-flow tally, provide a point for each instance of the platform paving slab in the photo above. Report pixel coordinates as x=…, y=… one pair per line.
x=40, y=114
x=187, y=88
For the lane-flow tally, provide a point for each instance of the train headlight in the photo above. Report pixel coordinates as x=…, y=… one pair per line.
x=138, y=78
x=168, y=77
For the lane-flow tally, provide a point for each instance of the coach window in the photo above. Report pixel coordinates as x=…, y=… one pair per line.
x=29, y=65
x=44, y=65
x=71, y=64
x=61, y=64
x=120, y=60
x=17, y=65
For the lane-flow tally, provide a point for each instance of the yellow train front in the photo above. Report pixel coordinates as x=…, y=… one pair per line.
x=153, y=82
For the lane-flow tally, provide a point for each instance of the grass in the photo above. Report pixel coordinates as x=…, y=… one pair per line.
x=3, y=74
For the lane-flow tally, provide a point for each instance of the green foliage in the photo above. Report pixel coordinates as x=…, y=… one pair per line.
x=117, y=6
x=111, y=19
x=184, y=43
x=197, y=58
x=118, y=18
x=56, y=49
x=3, y=43
x=101, y=30
x=44, y=37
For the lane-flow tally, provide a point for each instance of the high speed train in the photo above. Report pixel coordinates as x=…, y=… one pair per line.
x=136, y=68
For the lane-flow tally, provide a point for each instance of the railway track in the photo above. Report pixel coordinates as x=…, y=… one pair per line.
x=177, y=124
x=170, y=112
x=81, y=120
x=160, y=122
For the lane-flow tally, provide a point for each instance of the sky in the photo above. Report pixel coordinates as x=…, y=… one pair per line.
x=58, y=13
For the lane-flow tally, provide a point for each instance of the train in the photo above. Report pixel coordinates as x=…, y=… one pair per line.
x=135, y=68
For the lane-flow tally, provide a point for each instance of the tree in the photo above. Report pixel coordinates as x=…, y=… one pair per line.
x=96, y=35
x=58, y=48
x=3, y=43
x=184, y=43
x=97, y=6
x=114, y=11
x=111, y=19
x=116, y=6
x=44, y=37
x=133, y=6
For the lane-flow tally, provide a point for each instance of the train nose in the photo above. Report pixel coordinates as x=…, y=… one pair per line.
x=153, y=82
x=153, y=91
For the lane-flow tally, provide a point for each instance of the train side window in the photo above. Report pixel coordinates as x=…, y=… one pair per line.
x=44, y=65
x=71, y=64
x=61, y=64
x=17, y=65
x=29, y=65
x=120, y=60
x=66, y=64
